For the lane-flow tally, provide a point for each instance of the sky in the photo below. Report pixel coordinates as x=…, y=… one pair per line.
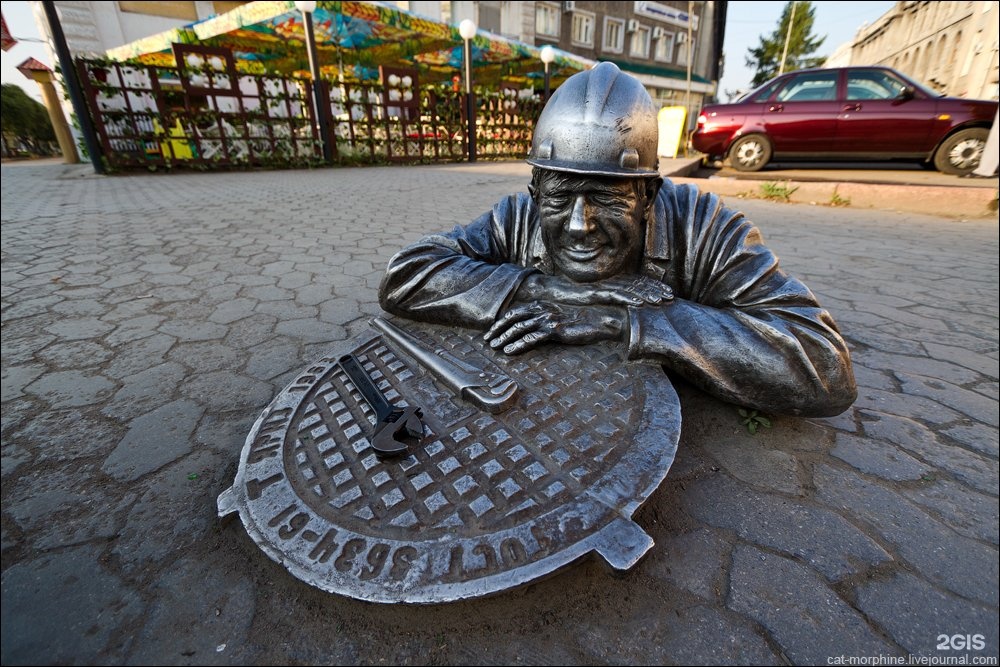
x=747, y=21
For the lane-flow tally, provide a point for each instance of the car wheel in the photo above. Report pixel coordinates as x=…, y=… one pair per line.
x=750, y=153
x=960, y=153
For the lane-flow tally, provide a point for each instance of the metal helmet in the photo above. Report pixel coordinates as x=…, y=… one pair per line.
x=601, y=122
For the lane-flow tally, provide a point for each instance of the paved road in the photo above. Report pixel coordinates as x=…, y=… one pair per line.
x=147, y=319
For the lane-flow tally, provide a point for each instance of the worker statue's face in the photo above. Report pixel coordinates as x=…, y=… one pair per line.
x=593, y=227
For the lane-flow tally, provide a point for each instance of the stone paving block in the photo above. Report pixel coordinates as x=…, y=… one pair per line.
x=208, y=356
x=63, y=608
x=67, y=435
x=978, y=436
x=225, y=433
x=75, y=354
x=209, y=627
x=267, y=293
x=769, y=469
x=801, y=614
x=961, y=565
x=232, y=310
x=29, y=307
x=969, y=467
x=145, y=391
x=69, y=389
x=273, y=358
x=872, y=378
x=13, y=380
x=988, y=388
x=875, y=457
x=845, y=421
x=136, y=356
x=310, y=331
x=81, y=308
x=975, y=405
x=976, y=361
x=921, y=365
x=926, y=614
x=187, y=330
x=694, y=636
x=910, y=407
x=135, y=328
x=694, y=562
x=883, y=341
x=154, y=440
x=79, y=328
x=251, y=331
x=17, y=412
x=965, y=511
x=287, y=310
x=815, y=535
x=227, y=390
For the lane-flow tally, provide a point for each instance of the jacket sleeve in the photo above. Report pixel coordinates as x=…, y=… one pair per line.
x=740, y=327
x=465, y=277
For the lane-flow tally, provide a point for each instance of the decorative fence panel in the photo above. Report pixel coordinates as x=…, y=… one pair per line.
x=204, y=114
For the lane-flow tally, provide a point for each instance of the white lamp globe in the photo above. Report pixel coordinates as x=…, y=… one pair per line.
x=548, y=54
x=305, y=7
x=467, y=29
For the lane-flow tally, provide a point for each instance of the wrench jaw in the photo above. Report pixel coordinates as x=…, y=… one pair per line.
x=495, y=397
x=399, y=431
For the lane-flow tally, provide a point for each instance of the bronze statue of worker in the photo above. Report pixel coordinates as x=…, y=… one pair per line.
x=604, y=249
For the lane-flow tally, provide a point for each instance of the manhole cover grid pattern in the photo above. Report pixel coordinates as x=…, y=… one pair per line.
x=481, y=474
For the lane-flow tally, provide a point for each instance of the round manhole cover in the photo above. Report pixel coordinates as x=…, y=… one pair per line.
x=486, y=501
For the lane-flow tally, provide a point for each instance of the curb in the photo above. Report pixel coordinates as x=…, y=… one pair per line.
x=927, y=199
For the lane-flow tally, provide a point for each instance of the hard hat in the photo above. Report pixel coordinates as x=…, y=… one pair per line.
x=601, y=122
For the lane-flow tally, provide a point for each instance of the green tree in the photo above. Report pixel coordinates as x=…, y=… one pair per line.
x=766, y=58
x=23, y=119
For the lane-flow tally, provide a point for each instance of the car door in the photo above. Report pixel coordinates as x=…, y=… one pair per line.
x=802, y=117
x=882, y=114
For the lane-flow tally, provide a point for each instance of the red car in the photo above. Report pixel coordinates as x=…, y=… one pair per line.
x=856, y=113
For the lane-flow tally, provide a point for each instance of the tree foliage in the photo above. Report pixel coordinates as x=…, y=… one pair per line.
x=766, y=57
x=24, y=119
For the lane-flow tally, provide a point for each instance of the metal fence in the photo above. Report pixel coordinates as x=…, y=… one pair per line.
x=204, y=114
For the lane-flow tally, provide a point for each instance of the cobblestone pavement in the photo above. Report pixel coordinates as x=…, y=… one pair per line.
x=148, y=319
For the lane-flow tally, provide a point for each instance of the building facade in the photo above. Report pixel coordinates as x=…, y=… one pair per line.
x=660, y=43
x=951, y=46
x=654, y=41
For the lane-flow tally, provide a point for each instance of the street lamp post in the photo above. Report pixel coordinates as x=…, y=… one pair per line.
x=467, y=29
x=548, y=55
x=319, y=101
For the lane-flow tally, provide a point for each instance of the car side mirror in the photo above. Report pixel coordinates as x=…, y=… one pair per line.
x=906, y=93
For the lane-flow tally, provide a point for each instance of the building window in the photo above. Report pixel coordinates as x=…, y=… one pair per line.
x=547, y=20
x=583, y=29
x=639, y=46
x=614, y=35
x=664, y=48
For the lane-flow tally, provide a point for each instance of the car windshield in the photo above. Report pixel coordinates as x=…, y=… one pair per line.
x=922, y=87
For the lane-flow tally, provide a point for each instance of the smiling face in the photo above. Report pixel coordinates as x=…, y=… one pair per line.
x=593, y=227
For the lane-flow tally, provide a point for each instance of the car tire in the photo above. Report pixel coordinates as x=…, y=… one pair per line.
x=960, y=153
x=750, y=153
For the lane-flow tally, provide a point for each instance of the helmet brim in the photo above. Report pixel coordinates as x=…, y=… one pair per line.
x=591, y=170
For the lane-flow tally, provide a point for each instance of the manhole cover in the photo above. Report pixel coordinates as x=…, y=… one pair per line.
x=486, y=502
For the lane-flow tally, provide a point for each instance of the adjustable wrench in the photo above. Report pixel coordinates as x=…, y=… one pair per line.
x=395, y=427
x=492, y=392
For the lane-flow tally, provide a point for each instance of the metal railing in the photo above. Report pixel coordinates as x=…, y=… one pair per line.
x=205, y=115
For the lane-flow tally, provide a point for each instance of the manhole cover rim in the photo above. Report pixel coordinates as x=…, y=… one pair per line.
x=608, y=497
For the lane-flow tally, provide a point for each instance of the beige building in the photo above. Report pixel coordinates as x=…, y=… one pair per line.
x=653, y=41
x=951, y=46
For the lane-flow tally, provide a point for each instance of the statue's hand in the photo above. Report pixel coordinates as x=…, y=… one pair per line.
x=526, y=326
x=618, y=291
